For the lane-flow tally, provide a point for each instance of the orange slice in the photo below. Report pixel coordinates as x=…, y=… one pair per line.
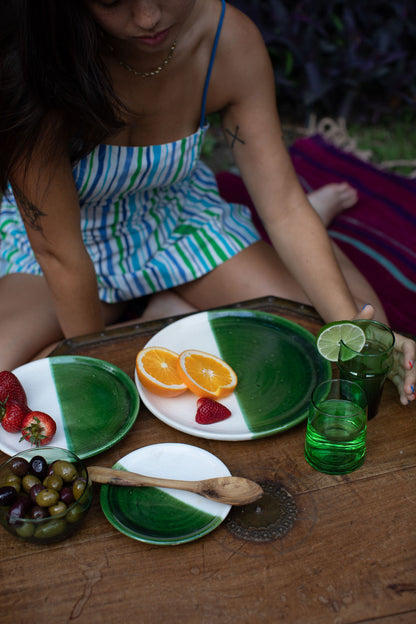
x=157, y=371
x=206, y=375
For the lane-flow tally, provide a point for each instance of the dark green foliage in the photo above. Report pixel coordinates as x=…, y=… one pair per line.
x=352, y=59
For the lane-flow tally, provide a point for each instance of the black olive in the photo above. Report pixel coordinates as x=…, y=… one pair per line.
x=18, y=509
x=50, y=469
x=39, y=467
x=8, y=495
x=34, y=491
x=13, y=480
x=37, y=512
x=66, y=495
x=19, y=466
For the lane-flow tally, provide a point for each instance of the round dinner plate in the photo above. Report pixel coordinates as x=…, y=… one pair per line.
x=93, y=403
x=276, y=362
x=160, y=515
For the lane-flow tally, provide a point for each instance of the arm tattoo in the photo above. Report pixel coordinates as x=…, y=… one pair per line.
x=31, y=214
x=234, y=136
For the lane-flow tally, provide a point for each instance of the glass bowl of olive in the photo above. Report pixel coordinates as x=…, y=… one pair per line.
x=45, y=494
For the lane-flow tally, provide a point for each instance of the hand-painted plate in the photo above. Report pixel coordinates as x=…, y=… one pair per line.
x=93, y=403
x=160, y=515
x=277, y=366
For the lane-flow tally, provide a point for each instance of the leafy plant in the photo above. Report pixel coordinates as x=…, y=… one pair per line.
x=344, y=59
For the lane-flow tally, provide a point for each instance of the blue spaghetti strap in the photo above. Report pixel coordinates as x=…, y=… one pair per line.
x=211, y=63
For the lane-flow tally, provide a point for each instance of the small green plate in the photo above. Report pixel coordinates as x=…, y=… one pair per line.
x=276, y=362
x=159, y=515
x=94, y=403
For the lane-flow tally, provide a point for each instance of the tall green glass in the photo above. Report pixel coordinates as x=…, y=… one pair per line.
x=337, y=425
x=370, y=366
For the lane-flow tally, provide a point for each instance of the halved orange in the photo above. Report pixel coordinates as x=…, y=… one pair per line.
x=206, y=375
x=157, y=371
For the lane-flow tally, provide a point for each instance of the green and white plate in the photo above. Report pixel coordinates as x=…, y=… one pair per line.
x=93, y=403
x=276, y=362
x=160, y=515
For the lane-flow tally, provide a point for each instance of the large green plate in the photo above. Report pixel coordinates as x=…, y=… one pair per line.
x=159, y=515
x=93, y=403
x=277, y=366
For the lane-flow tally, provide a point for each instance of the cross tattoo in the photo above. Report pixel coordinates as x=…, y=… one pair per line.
x=235, y=136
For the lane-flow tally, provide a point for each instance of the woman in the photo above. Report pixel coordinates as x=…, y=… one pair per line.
x=105, y=111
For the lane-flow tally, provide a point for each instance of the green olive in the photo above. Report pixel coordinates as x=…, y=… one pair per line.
x=47, y=497
x=53, y=481
x=28, y=482
x=15, y=481
x=51, y=528
x=57, y=509
x=75, y=514
x=25, y=529
x=78, y=487
x=65, y=469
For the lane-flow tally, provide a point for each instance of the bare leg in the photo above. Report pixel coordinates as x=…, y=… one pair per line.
x=27, y=320
x=331, y=199
x=258, y=271
x=28, y=325
x=161, y=305
x=166, y=303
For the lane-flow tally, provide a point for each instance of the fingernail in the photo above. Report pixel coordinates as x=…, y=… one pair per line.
x=411, y=363
x=412, y=388
x=365, y=305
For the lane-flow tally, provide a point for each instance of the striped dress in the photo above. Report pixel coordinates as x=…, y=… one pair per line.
x=151, y=217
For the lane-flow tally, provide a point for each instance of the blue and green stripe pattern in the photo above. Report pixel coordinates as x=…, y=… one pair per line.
x=151, y=219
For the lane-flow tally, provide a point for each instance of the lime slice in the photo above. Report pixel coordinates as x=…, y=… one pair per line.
x=330, y=336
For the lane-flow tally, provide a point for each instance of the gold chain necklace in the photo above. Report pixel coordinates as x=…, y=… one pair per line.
x=149, y=74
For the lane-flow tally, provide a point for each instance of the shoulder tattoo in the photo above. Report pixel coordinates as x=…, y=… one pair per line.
x=235, y=136
x=31, y=214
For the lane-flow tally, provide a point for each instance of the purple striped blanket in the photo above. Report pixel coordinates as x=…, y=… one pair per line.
x=378, y=234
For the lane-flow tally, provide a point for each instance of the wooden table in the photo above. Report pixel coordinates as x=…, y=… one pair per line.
x=350, y=556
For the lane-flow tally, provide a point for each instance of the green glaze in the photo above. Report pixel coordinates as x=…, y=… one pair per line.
x=277, y=365
x=151, y=515
x=98, y=401
x=165, y=517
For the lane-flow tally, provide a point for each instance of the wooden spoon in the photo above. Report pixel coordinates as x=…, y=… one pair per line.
x=228, y=490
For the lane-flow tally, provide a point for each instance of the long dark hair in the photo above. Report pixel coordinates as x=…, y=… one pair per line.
x=51, y=67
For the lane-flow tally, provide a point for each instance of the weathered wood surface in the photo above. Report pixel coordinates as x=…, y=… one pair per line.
x=349, y=558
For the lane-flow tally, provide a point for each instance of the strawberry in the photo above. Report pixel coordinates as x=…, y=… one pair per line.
x=11, y=388
x=11, y=415
x=38, y=428
x=210, y=411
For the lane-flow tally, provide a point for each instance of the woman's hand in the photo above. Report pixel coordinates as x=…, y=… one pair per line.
x=403, y=372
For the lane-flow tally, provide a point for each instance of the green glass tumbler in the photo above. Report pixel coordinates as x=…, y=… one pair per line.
x=370, y=366
x=337, y=427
